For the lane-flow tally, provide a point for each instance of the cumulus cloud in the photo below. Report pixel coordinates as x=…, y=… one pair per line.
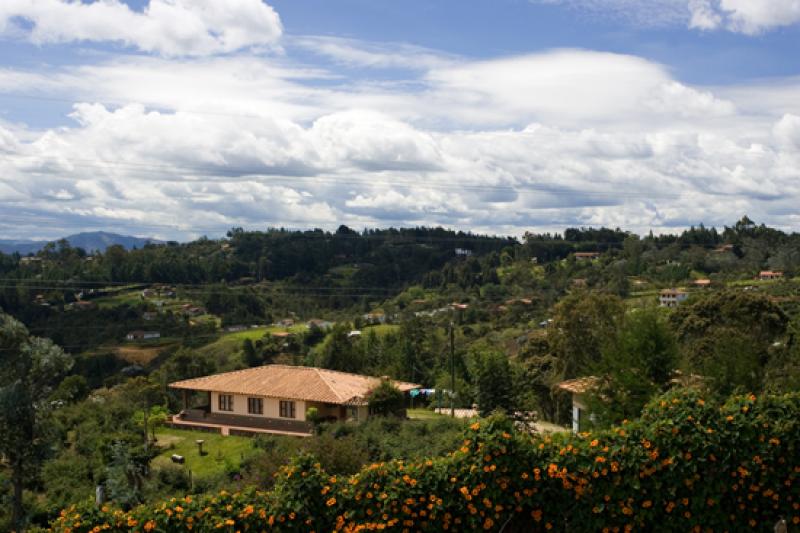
x=166, y=27
x=538, y=141
x=749, y=17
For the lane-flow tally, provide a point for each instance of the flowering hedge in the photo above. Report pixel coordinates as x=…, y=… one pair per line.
x=685, y=465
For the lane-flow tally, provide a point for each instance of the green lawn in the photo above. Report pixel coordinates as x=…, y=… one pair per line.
x=381, y=329
x=422, y=414
x=219, y=450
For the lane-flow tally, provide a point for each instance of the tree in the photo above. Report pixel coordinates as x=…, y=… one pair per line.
x=386, y=400
x=582, y=324
x=636, y=366
x=493, y=382
x=30, y=367
x=251, y=356
x=728, y=337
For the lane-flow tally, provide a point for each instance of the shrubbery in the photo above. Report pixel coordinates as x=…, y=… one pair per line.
x=686, y=465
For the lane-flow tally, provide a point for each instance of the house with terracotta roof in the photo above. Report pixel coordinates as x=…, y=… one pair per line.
x=586, y=256
x=275, y=399
x=578, y=388
x=766, y=275
x=672, y=297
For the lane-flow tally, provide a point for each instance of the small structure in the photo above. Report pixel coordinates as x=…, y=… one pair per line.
x=463, y=252
x=725, y=248
x=586, y=256
x=149, y=293
x=672, y=297
x=140, y=335
x=376, y=317
x=193, y=310
x=768, y=275
x=354, y=333
x=286, y=323
x=318, y=323
x=702, y=283
x=234, y=329
x=578, y=388
x=150, y=315
x=275, y=398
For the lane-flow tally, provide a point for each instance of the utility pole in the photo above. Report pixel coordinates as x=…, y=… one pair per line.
x=452, y=371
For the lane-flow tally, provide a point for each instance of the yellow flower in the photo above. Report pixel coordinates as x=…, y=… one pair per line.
x=331, y=502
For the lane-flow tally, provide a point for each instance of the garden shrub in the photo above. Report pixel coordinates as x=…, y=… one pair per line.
x=686, y=465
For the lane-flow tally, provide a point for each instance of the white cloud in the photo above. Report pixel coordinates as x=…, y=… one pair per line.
x=750, y=17
x=166, y=27
x=529, y=142
x=356, y=53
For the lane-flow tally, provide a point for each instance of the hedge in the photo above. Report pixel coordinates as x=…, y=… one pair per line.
x=684, y=466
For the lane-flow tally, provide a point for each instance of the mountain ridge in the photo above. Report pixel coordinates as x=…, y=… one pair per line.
x=90, y=241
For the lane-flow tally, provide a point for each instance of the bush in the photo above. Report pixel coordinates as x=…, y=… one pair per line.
x=686, y=465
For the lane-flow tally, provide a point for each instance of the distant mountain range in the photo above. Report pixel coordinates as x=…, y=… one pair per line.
x=90, y=241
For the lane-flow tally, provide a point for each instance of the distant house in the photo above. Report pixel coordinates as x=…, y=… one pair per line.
x=578, y=388
x=766, y=275
x=193, y=310
x=375, y=318
x=321, y=324
x=354, y=333
x=463, y=252
x=702, y=283
x=586, y=256
x=286, y=323
x=458, y=306
x=725, y=248
x=233, y=329
x=150, y=315
x=672, y=297
x=30, y=261
x=140, y=335
x=149, y=293
x=276, y=398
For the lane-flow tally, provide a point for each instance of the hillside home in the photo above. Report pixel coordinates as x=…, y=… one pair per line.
x=702, y=283
x=578, y=388
x=766, y=275
x=586, y=256
x=463, y=252
x=276, y=398
x=140, y=335
x=150, y=315
x=318, y=323
x=672, y=297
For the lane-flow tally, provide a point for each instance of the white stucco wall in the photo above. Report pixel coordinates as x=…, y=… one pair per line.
x=271, y=407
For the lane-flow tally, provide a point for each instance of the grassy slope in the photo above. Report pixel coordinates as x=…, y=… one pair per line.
x=219, y=450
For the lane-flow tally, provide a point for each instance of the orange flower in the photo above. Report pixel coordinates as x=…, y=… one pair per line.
x=331, y=502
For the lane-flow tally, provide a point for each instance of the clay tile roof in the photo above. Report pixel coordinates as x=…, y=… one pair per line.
x=578, y=385
x=292, y=382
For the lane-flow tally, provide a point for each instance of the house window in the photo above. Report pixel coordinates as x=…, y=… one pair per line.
x=255, y=406
x=287, y=409
x=352, y=413
x=225, y=402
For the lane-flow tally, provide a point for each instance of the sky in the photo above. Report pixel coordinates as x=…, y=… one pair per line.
x=180, y=118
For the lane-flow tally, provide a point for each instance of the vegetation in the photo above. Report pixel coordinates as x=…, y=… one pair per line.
x=687, y=463
x=496, y=326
